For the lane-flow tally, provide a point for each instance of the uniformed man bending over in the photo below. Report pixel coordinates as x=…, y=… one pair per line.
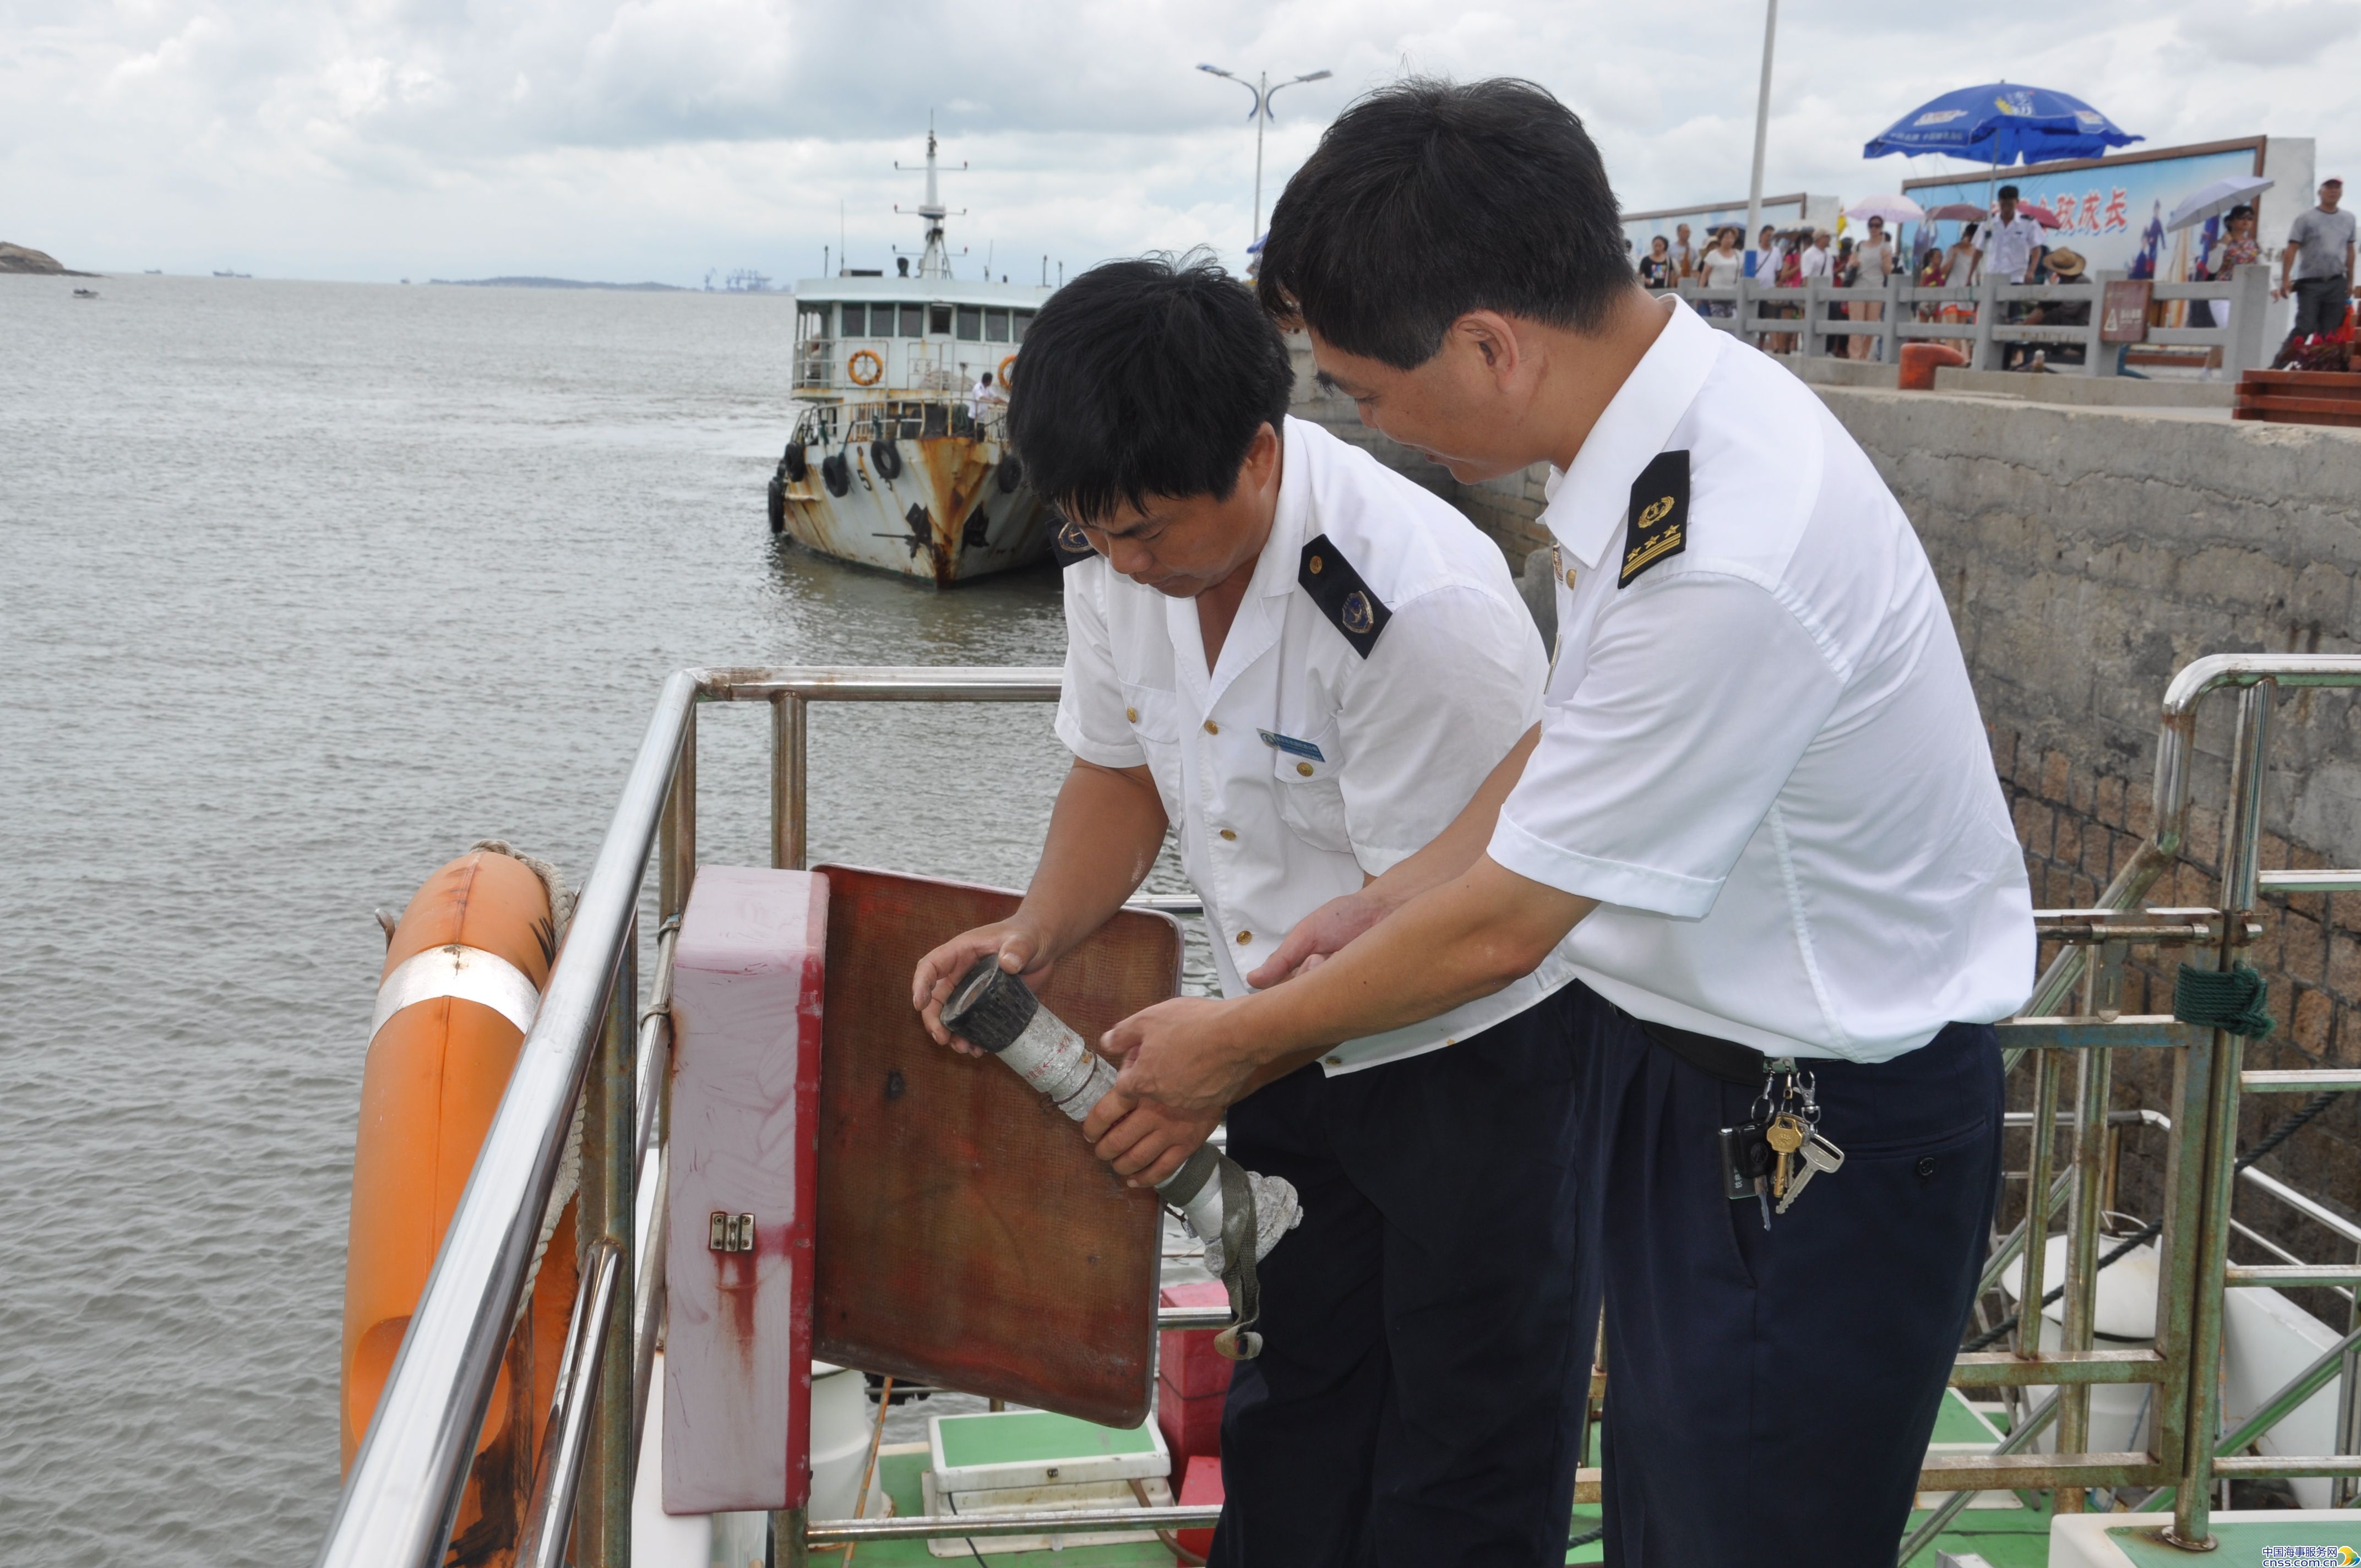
x=1305, y=664
x=1760, y=798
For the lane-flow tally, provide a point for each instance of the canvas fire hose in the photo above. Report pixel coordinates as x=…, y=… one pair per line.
x=1238, y=1215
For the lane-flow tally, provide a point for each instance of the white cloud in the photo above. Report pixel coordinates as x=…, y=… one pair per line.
x=629, y=138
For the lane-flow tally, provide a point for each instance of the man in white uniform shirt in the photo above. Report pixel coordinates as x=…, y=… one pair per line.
x=2010, y=241
x=1303, y=665
x=1760, y=799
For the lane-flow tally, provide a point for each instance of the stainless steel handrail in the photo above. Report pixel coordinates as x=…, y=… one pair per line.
x=406, y=1483
x=558, y=1476
x=403, y=1493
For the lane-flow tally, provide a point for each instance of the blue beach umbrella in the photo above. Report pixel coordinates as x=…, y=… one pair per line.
x=2000, y=123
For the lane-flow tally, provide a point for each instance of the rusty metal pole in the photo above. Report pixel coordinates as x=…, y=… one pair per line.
x=2103, y=976
x=788, y=1547
x=2215, y=1139
x=2047, y=1065
x=602, y=1511
x=790, y=726
x=2092, y=1088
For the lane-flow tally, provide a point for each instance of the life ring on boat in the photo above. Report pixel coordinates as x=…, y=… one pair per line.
x=871, y=375
x=886, y=458
x=464, y=972
x=1007, y=366
x=1009, y=474
x=836, y=474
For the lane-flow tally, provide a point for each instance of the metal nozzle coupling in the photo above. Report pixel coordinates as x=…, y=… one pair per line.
x=1238, y=1215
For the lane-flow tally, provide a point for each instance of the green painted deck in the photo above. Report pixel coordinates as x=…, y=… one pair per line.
x=1018, y=1437
x=2006, y=1538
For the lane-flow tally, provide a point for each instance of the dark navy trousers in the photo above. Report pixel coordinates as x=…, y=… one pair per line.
x=1770, y=1394
x=1425, y=1346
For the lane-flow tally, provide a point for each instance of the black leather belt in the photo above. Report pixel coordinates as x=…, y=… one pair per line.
x=1710, y=1055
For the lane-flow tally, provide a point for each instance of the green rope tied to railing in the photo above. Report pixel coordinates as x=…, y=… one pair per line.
x=2233, y=999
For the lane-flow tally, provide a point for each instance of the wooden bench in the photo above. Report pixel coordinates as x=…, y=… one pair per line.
x=2299, y=397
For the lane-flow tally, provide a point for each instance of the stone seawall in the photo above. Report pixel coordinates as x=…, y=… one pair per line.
x=2087, y=554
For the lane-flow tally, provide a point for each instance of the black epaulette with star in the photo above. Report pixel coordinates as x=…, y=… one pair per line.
x=1068, y=545
x=1342, y=597
x=1657, y=525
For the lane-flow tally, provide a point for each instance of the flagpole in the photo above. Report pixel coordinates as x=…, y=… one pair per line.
x=1762, y=132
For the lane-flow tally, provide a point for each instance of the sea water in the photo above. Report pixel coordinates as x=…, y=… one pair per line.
x=305, y=588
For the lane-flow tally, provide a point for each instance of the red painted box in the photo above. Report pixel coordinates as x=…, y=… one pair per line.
x=1192, y=1425
x=1203, y=1484
x=1185, y=1358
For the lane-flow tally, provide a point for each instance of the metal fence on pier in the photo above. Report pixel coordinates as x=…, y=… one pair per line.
x=595, y=1045
x=1983, y=320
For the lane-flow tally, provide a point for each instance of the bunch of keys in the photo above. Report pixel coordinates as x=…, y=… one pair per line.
x=1776, y=1153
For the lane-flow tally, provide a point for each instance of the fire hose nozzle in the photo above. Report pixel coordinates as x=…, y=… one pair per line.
x=1238, y=1215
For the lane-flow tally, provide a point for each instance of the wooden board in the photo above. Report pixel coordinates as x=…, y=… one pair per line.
x=747, y=985
x=967, y=1235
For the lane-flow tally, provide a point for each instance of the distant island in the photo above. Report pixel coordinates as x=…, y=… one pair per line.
x=21, y=258
x=555, y=283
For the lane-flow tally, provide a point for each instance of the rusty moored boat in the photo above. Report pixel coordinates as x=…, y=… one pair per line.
x=898, y=458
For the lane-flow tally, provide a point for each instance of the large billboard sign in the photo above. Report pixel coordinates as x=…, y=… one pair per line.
x=2112, y=209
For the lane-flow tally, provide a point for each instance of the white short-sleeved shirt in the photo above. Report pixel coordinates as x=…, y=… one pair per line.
x=1761, y=753
x=2010, y=245
x=1310, y=759
x=1814, y=262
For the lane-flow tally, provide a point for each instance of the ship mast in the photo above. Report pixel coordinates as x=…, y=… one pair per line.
x=934, y=261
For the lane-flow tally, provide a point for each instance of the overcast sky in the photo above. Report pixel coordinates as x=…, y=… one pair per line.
x=657, y=139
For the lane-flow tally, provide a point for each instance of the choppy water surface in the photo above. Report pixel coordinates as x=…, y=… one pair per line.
x=305, y=588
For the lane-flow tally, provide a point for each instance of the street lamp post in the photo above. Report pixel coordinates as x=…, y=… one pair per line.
x=1263, y=90
x=1750, y=238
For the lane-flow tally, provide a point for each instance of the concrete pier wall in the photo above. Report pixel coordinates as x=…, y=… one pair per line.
x=2087, y=554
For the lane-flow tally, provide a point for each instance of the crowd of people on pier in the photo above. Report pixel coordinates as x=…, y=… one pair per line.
x=2010, y=243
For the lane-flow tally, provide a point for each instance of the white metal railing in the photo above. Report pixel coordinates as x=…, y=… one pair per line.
x=1982, y=316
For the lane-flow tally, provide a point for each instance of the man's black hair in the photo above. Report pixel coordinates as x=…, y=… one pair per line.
x=1429, y=199
x=1146, y=377
x=2009, y=192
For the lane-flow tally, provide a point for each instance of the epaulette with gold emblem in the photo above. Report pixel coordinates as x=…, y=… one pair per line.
x=1068, y=545
x=1341, y=595
x=1657, y=526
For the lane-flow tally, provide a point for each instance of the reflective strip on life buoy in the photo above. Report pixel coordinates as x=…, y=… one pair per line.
x=1007, y=366
x=873, y=375
x=470, y=974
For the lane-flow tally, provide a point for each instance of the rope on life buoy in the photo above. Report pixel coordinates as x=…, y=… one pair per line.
x=569, y=1164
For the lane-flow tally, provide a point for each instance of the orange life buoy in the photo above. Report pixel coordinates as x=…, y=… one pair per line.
x=869, y=378
x=1007, y=366
x=463, y=974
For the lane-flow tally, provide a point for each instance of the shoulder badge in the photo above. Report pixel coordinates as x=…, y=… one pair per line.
x=1068, y=545
x=1341, y=595
x=1657, y=525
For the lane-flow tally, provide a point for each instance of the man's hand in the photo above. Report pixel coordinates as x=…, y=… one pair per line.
x=1021, y=954
x=1178, y=1053
x=1310, y=942
x=1146, y=1143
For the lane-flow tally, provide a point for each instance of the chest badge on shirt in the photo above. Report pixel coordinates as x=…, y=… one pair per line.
x=1341, y=595
x=1657, y=526
x=1291, y=745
